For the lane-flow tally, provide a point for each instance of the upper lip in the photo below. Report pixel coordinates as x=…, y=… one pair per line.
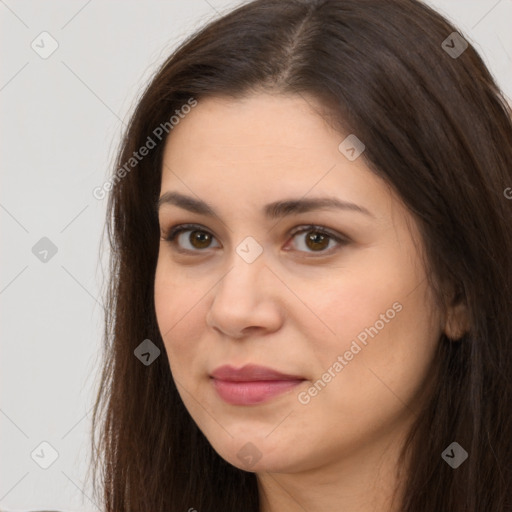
x=250, y=372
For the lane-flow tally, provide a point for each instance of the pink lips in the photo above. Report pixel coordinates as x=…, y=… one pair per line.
x=251, y=384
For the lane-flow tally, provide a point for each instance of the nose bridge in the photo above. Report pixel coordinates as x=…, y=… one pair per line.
x=239, y=299
x=246, y=268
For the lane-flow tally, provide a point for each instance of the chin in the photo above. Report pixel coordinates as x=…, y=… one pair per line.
x=258, y=455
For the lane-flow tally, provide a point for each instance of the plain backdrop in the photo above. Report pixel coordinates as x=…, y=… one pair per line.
x=61, y=119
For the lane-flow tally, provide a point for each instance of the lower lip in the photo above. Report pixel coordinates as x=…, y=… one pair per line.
x=250, y=393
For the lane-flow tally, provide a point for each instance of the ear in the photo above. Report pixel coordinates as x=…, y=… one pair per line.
x=457, y=318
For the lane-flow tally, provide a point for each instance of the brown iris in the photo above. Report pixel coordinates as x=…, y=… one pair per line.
x=317, y=240
x=202, y=238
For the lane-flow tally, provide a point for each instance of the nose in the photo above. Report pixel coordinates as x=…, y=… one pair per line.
x=246, y=300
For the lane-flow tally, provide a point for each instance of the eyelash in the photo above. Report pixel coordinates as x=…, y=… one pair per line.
x=174, y=231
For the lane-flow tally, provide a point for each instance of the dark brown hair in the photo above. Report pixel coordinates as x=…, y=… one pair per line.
x=439, y=131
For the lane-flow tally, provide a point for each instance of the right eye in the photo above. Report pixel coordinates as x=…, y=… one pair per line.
x=200, y=237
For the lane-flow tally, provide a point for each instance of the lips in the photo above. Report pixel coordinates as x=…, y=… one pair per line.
x=251, y=384
x=251, y=373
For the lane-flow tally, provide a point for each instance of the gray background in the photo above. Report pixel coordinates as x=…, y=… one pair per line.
x=61, y=122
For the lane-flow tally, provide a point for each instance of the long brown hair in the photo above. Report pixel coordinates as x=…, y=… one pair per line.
x=438, y=130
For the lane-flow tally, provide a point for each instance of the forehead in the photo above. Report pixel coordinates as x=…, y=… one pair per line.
x=263, y=148
x=265, y=126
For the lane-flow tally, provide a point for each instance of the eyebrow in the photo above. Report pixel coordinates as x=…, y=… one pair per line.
x=273, y=210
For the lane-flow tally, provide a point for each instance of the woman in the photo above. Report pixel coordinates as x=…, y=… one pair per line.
x=311, y=271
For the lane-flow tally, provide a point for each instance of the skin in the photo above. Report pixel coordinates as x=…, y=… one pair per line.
x=295, y=310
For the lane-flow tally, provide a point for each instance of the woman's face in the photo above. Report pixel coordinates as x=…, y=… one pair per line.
x=352, y=319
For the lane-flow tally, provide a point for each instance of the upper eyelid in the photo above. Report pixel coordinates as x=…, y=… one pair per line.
x=178, y=228
x=199, y=227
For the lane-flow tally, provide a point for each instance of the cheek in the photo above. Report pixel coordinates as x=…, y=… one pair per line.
x=340, y=307
x=175, y=295
x=377, y=318
x=165, y=302
x=177, y=304
x=385, y=359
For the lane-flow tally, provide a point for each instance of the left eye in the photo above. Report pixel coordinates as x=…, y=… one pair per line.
x=317, y=239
